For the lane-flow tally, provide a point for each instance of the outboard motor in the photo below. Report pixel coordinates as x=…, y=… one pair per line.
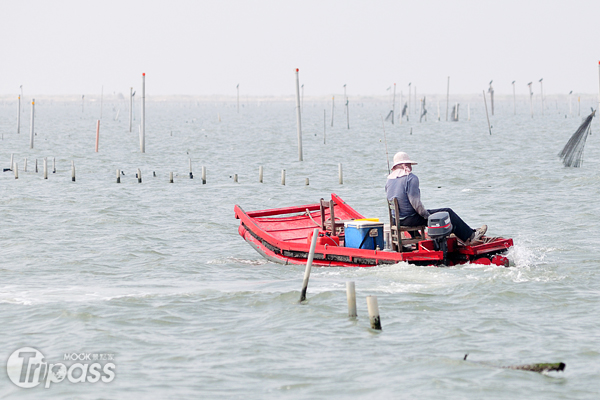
x=439, y=228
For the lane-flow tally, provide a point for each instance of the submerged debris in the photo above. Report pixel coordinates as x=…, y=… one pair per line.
x=541, y=367
x=572, y=153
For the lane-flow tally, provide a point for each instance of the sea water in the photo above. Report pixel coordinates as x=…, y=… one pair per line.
x=155, y=279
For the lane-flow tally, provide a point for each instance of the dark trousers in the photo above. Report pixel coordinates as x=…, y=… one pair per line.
x=459, y=227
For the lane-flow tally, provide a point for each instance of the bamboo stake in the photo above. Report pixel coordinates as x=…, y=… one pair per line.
x=514, y=99
x=260, y=174
x=31, y=132
x=45, y=168
x=408, y=104
x=283, y=176
x=486, y=113
x=351, y=298
x=542, y=93
x=118, y=175
x=324, y=125
x=311, y=255
x=130, y=107
x=204, y=175
x=97, y=134
x=16, y=170
x=394, y=105
x=19, y=116
x=373, y=309
x=447, y=98
x=143, y=125
x=298, y=116
x=139, y=175
x=332, y=108
x=73, y=171
x=530, y=98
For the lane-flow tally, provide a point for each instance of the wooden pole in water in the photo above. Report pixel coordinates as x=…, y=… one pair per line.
x=283, y=176
x=139, y=175
x=25, y=165
x=36, y=164
x=298, y=116
x=73, y=171
x=311, y=255
x=415, y=99
x=45, y=168
x=54, y=165
x=16, y=170
x=235, y=178
x=191, y=174
x=97, y=134
x=31, y=130
x=12, y=164
x=491, y=90
x=19, y=116
x=143, y=126
x=400, y=111
x=130, y=107
x=118, y=175
x=408, y=104
x=373, y=308
x=486, y=113
x=306, y=182
x=260, y=174
x=332, y=108
x=530, y=98
x=101, y=100
x=447, y=98
x=324, y=125
x=341, y=176
x=347, y=113
x=203, y=175
x=351, y=298
x=542, y=93
x=394, y=104
x=514, y=99
x=171, y=177
x=570, y=104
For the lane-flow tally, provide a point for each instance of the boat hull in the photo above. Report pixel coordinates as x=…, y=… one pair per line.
x=281, y=236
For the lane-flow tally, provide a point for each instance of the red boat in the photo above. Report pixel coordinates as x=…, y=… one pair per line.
x=283, y=235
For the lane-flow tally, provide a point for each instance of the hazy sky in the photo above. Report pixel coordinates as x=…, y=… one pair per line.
x=208, y=47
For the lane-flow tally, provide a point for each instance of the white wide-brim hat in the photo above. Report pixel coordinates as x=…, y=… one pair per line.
x=402, y=158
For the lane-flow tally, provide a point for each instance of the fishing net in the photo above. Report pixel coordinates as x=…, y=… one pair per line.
x=572, y=153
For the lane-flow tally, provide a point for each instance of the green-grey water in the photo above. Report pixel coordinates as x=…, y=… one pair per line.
x=157, y=275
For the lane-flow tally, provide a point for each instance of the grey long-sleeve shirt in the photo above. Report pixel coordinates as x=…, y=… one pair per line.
x=406, y=189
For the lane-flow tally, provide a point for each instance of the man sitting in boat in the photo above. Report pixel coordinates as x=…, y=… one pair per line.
x=404, y=185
